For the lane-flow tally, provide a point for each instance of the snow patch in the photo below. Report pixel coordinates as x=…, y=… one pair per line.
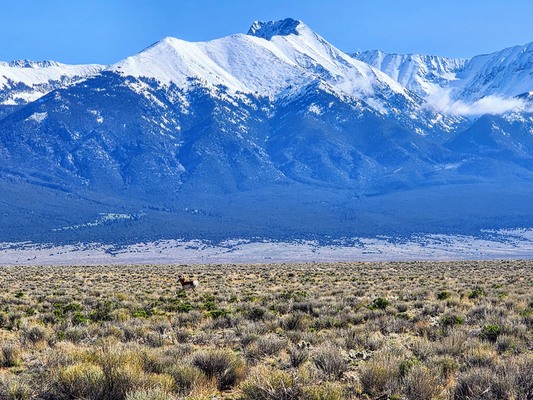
x=504, y=244
x=37, y=117
x=104, y=218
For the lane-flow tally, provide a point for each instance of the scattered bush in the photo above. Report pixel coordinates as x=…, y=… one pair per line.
x=476, y=383
x=266, y=384
x=421, y=384
x=380, y=376
x=330, y=362
x=325, y=391
x=15, y=388
x=298, y=355
x=447, y=321
x=150, y=394
x=490, y=332
x=379, y=304
x=444, y=295
x=226, y=368
x=80, y=381
x=10, y=355
x=186, y=377
x=476, y=293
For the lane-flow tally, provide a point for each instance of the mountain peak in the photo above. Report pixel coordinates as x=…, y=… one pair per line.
x=267, y=30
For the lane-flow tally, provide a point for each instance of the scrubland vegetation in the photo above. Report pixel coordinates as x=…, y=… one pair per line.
x=446, y=330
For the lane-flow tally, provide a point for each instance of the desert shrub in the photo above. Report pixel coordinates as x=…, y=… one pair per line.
x=294, y=322
x=298, y=354
x=402, y=307
x=509, y=344
x=34, y=334
x=255, y=313
x=330, y=361
x=324, y=391
x=444, y=295
x=380, y=376
x=10, y=355
x=476, y=383
x=222, y=365
x=15, y=388
x=379, y=304
x=450, y=320
x=150, y=394
x=267, y=384
x=406, y=365
x=483, y=355
x=186, y=377
x=476, y=293
x=421, y=383
x=453, y=344
x=447, y=366
x=519, y=373
x=268, y=345
x=79, y=381
x=490, y=332
x=352, y=338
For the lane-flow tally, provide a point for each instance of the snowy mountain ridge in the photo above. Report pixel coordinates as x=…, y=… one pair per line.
x=275, y=133
x=23, y=81
x=422, y=74
x=492, y=83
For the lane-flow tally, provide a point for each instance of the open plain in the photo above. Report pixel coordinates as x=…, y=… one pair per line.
x=396, y=330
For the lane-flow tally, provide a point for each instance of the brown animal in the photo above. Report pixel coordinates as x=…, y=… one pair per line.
x=187, y=284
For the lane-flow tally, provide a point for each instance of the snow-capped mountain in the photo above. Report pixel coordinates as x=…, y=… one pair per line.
x=422, y=74
x=493, y=83
x=275, y=60
x=271, y=133
x=24, y=81
x=506, y=73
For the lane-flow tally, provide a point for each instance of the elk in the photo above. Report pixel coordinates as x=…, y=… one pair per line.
x=187, y=284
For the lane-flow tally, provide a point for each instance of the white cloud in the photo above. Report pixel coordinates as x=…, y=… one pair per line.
x=442, y=101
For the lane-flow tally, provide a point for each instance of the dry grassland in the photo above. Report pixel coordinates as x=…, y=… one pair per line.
x=410, y=330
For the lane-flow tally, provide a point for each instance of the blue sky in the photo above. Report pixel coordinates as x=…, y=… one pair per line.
x=105, y=31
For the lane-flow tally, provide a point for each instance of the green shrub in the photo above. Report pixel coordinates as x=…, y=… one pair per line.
x=379, y=304
x=406, y=365
x=476, y=293
x=444, y=295
x=490, y=332
x=451, y=320
x=218, y=313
